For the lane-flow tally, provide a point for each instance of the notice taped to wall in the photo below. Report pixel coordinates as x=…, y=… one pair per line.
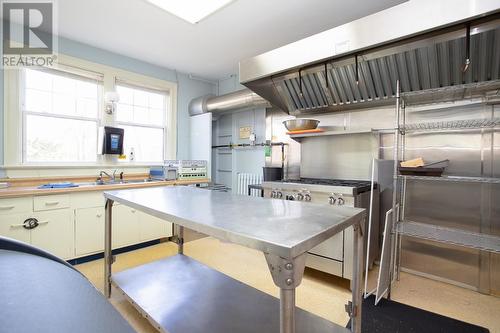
x=245, y=132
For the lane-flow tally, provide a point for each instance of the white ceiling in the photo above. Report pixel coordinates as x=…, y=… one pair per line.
x=213, y=47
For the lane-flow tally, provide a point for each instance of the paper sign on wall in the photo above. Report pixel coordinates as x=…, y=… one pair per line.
x=245, y=132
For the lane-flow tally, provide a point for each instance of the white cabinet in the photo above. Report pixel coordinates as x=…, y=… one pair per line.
x=55, y=232
x=131, y=226
x=72, y=225
x=89, y=230
x=11, y=225
x=152, y=227
x=125, y=228
x=16, y=205
x=50, y=202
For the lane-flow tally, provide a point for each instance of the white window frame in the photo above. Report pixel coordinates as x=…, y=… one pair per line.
x=138, y=85
x=13, y=122
x=24, y=113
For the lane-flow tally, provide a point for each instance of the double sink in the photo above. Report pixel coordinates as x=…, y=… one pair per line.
x=115, y=182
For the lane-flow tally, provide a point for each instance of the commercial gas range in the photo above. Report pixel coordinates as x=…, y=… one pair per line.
x=333, y=256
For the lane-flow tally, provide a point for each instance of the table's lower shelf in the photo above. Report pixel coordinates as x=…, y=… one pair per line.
x=181, y=295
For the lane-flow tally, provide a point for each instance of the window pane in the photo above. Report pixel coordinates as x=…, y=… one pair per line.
x=126, y=95
x=141, y=115
x=87, y=90
x=156, y=101
x=140, y=97
x=147, y=143
x=62, y=95
x=37, y=101
x=149, y=108
x=63, y=104
x=64, y=85
x=38, y=80
x=60, y=140
x=86, y=107
x=156, y=116
x=124, y=112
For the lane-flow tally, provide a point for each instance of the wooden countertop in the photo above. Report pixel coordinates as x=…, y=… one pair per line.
x=21, y=191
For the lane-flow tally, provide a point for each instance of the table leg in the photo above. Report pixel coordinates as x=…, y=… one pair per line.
x=287, y=275
x=108, y=255
x=287, y=310
x=354, y=308
x=180, y=240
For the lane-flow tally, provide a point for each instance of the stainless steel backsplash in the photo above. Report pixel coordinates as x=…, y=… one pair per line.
x=469, y=206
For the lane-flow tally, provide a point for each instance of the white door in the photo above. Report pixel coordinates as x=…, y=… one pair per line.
x=55, y=232
x=89, y=230
x=125, y=228
x=11, y=225
x=152, y=227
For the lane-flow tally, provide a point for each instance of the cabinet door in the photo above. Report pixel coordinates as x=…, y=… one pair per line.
x=11, y=225
x=152, y=227
x=89, y=230
x=55, y=232
x=125, y=226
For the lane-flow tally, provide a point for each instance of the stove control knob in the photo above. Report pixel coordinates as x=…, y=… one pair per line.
x=307, y=197
x=332, y=200
x=273, y=194
x=340, y=201
x=279, y=194
x=291, y=198
x=300, y=197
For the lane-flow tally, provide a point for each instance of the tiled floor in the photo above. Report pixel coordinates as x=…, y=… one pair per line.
x=319, y=293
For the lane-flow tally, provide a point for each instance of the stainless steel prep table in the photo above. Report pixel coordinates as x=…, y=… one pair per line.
x=180, y=295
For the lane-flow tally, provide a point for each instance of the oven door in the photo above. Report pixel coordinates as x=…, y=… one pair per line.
x=332, y=248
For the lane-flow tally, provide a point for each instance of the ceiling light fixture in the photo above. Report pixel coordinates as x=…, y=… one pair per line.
x=192, y=11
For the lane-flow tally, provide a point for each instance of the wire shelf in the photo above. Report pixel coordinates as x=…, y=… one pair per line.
x=480, y=241
x=456, y=179
x=452, y=125
x=484, y=90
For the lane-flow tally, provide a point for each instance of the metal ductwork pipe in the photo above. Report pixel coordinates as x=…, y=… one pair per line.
x=233, y=101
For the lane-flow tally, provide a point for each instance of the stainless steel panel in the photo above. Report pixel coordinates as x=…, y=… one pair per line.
x=179, y=295
x=279, y=227
x=410, y=18
x=431, y=62
x=344, y=157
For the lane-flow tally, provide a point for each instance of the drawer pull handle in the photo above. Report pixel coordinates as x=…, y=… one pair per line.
x=17, y=225
x=51, y=203
x=43, y=222
x=30, y=223
x=98, y=215
x=133, y=210
x=6, y=207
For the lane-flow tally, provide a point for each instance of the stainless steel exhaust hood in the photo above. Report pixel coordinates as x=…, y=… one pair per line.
x=421, y=43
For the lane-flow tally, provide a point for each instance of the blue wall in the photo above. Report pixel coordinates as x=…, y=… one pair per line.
x=187, y=88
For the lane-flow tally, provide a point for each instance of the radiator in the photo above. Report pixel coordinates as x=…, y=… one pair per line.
x=245, y=179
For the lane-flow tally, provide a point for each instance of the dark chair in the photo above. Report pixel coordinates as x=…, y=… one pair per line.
x=42, y=293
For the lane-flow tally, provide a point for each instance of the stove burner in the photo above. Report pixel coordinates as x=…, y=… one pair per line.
x=362, y=185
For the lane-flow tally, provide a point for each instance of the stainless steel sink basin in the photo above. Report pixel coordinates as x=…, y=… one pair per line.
x=115, y=182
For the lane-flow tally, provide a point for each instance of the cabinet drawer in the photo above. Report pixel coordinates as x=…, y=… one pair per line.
x=16, y=205
x=87, y=199
x=49, y=202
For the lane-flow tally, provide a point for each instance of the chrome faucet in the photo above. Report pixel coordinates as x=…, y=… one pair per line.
x=111, y=177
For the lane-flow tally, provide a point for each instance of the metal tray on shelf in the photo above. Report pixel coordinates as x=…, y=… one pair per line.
x=422, y=171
